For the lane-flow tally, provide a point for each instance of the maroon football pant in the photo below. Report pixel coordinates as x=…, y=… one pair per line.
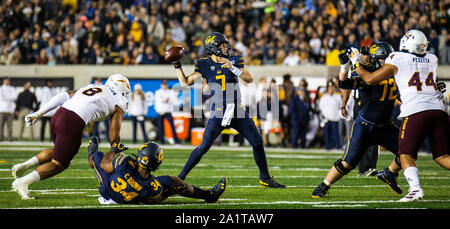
x=67, y=128
x=415, y=128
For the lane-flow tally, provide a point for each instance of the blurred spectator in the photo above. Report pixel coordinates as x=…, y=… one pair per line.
x=7, y=106
x=304, y=26
x=26, y=103
x=330, y=106
x=46, y=94
x=248, y=97
x=137, y=111
x=299, y=112
x=164, y=102
x=444, y=47
x=292, y=59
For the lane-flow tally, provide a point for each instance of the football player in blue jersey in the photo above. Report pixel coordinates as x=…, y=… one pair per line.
x=373, y=125
x=222, y=71
x=124, y=180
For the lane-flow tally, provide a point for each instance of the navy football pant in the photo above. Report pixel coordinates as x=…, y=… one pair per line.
x=365, y=134
x=246, y=127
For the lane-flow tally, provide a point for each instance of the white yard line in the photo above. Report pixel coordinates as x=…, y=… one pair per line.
x=317, y=204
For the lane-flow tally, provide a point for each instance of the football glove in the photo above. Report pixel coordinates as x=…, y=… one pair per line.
x=31, y=119
x=345, y=61
x=118, y=147
x=441, y=86
x=343, y=57
x=177, y=64
x=355, y=56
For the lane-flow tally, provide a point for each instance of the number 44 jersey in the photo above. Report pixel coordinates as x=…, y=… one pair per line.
x=95, y=102
x=416, y=82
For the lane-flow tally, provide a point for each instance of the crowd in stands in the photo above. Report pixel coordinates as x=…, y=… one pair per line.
x=284, y=32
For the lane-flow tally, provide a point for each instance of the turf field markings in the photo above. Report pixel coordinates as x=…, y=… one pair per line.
x=339, y=205
x=274, y=203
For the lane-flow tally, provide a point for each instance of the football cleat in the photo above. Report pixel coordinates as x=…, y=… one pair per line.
x=271, y=183
x=320, y=191
x=390, y=179
x=413, y=195
x=93, y=145
x=18, y=170
x=370, y=172
x=22, y=189
x=217, y=191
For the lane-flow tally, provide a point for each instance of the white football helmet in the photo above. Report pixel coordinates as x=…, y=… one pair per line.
x=120, y=84
x=414, y=41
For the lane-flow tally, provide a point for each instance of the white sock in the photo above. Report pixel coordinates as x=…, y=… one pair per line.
x=31, y=178
x=327, y=183
x=31, y=162
x=412, y=176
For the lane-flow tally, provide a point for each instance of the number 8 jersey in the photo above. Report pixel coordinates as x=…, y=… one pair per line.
x=416, y=82
x=95, y=102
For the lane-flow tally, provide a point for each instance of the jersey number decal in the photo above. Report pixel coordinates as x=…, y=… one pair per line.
x=120, y=186
x=415, y=81
x=221, y=77
x=390, y=81
x=92, y=91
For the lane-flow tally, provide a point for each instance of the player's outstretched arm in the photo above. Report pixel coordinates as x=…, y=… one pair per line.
x=115, y=125
x=53, y=103
x=107, y=161
x=184, y=80
x=372, y=78
x=345, y=97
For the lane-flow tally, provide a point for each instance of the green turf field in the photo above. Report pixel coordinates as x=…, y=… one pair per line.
x=300, y=171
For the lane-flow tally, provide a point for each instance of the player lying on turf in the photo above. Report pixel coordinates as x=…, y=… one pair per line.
x=222, y=71
x=423, y=110
x=125, y=180
x=373, y=125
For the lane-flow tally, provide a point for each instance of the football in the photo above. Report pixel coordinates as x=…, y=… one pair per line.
x=174, y=54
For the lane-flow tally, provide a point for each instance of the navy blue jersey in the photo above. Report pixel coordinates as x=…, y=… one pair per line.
x=221, y=80
x=126, y=185
x=376, y=102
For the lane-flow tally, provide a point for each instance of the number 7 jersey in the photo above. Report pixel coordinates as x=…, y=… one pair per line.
x=416, y=82
x=95, y=102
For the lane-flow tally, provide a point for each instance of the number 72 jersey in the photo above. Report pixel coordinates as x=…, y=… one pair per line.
x=95, y=102
x=416, y=82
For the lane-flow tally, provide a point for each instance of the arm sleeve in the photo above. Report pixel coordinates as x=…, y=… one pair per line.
x=54, y=102
x=347, y=84
x=119, y=161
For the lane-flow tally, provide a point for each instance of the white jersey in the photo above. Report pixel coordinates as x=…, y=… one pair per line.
x=416, y=82
x=95, y=102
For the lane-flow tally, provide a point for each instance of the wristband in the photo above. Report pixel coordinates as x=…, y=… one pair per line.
x=177, y=65
x=235, y=70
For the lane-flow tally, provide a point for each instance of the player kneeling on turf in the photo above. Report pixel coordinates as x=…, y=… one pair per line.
x=125, y=180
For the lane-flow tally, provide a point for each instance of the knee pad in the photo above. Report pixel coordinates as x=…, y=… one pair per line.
x=340, y=167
